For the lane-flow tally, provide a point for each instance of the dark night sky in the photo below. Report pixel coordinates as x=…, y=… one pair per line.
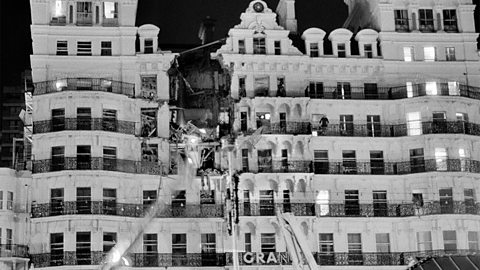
x=178, y=20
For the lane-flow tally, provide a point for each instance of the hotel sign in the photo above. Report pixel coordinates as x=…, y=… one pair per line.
x=267, y=258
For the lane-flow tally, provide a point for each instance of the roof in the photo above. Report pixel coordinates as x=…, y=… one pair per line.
x=449, y=262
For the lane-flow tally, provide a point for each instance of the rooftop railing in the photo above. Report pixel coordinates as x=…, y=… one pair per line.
x=245, y=258
x=98, y=163
x=100, y=124
x=13, y=251
x=110, y=208
x=84, y=84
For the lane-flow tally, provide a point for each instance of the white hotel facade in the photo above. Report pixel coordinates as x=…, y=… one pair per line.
x=395, y=173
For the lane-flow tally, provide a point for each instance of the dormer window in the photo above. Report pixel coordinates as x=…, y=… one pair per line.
x=259, y=45
x=241, y=46
x=148, y=45
x=84, y=13
x=450, y=20
x=426, y=20
x=368, y=50
x=110, y=13
x=314, y=50
x=342, y=50
x=278, y=48
x=401, y=20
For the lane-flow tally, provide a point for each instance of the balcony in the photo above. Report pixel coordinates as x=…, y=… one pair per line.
x=124, y=210
x=84, y=84
x=389, y=209
x=137, y=259
x=13, y=251
x=100, y=124
x=58, y=21
x=110, y=22
x=282, y=166
x=98, y=163
x=287, y=127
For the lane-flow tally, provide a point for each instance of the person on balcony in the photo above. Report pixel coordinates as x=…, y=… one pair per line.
x=323, y=124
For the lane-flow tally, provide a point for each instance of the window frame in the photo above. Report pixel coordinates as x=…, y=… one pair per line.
x=106, y=48
x=62, y=47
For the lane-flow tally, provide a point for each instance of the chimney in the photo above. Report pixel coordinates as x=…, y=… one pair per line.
x=286, y=15
x=207, y=28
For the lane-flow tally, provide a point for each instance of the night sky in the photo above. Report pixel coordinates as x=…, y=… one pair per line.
x=179, y=21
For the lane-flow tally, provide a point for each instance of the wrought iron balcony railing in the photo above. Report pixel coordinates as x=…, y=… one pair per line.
x=375, y=209
x=245, y=258
x=98, y=163
x=282, y=166
x=13, y=250
x=84, y=84
x=101, y=124
x=110, y=208
x=355, y=129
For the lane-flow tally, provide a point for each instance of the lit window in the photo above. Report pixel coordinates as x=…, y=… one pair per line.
x=453, y=89
x=441, y=159
x=408, y=54
x=409, y=89
x=431, y=88
x=429, y=54
x=84, y=48
x=106, y=48
x=59, y=9
x=62, y=47
x=314, y=50
x=323, y=199
x=110, y=10
x=450, y=54
x=414, y=124
x=342, y=51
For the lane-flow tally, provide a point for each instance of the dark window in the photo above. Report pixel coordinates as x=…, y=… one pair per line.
x=417, y=161
x=109, y=120
x=109, y=158
x=241, y=46
x=208, y=248
x=417, y=199
x=314, y=52
x=84, y=48
x=179, y=203
x=245, y=160
x=446, y=201
x=241, y=87
x=58, y=119
x=267, y=241
x=469, y=198
x=352, y=205
x=281, y=91
x=346, y=125
x=315, y=90
x=371, y=91
x=450, y=54
x=58, y=158
x=278, y=47
x=287, y=207
x=450, y=241
x=344, y=90
x=109, y=201
x=377, y=164
x=84, y=200
x=84, y=119
x=84, y=159
x=62, y=47
x=259, y=45
x=342, y=51
x=149, y=197
x=264, y=160
x=380, y=207
x=56, y=249
x=179, y=249
x=320, y=161
x=326, y=249
x=283, y=122
x=106, y=48
x=450, y=20
x=246, y=203
x=373, y=126
x=355, y=256
x=426, y=20
x=368, y=50
x=248, y=242
x=83, y=248
x=401, y=20
x=56, y=201
x=150, y=249
x=109, y=241
x=84, y=13
x=266, y=203
x=148, y=45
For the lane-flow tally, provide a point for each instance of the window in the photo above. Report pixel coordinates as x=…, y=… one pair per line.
x=264, y=160
x=179, y=202
x=109, y=241
x=84, y=200
x=179, y=249
x=355, y=256
x=315, y=90
x=450, y=241
x=464, y=159
x=84, y=13
x=469, y=198
x=424, y=241
x=62, y=47
x=346, y=125
x=261, y=86
x=243, y=121
x=277, y=47
x=241, y=87
x=58, y=119
x=267, y=241
x=109, y=158
x=9, y=200
x=149, y=86
x=110, y=11
x=453, y=89
x=426, y=20
x=283, y=125
x=59, y=17
x=380, y=206
x=0, y=235
x=473, y=241
x=84, y=119
x=344, y=90
x=83, y=157
x=446, y=201
x=266, y=203
x=323, y=202
x=383, y=242
x=1, y=201
x=246, y=203
x=58, y=158
x=106, y=48
x=441, y=159
x=341, y=50
x=207, y=196
x=368, y=50
x=241, y=46
x=109, y=120
x=109, y=201
x=148, y=46
x=281, y=92
x=349, y=162
x=414, y=124
x=248, y=242
x=401, y=20
x=259, y=45
x=83, y=248
x=417, y=161
x=450, y=54
x=56, y=201
x=208, y=247
x=450, y=20
x=314, y=52
x=84, y=48
x=408, y=55
x=287, y=206
x=352, y=205
x=9, y=239
x=409, y=86
x=245, y=160
x=326, y=249
x=150, y=249
x=56, y=249
x=149, y=197
x=373, y=126
x=429, y=54
x=417, y=199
